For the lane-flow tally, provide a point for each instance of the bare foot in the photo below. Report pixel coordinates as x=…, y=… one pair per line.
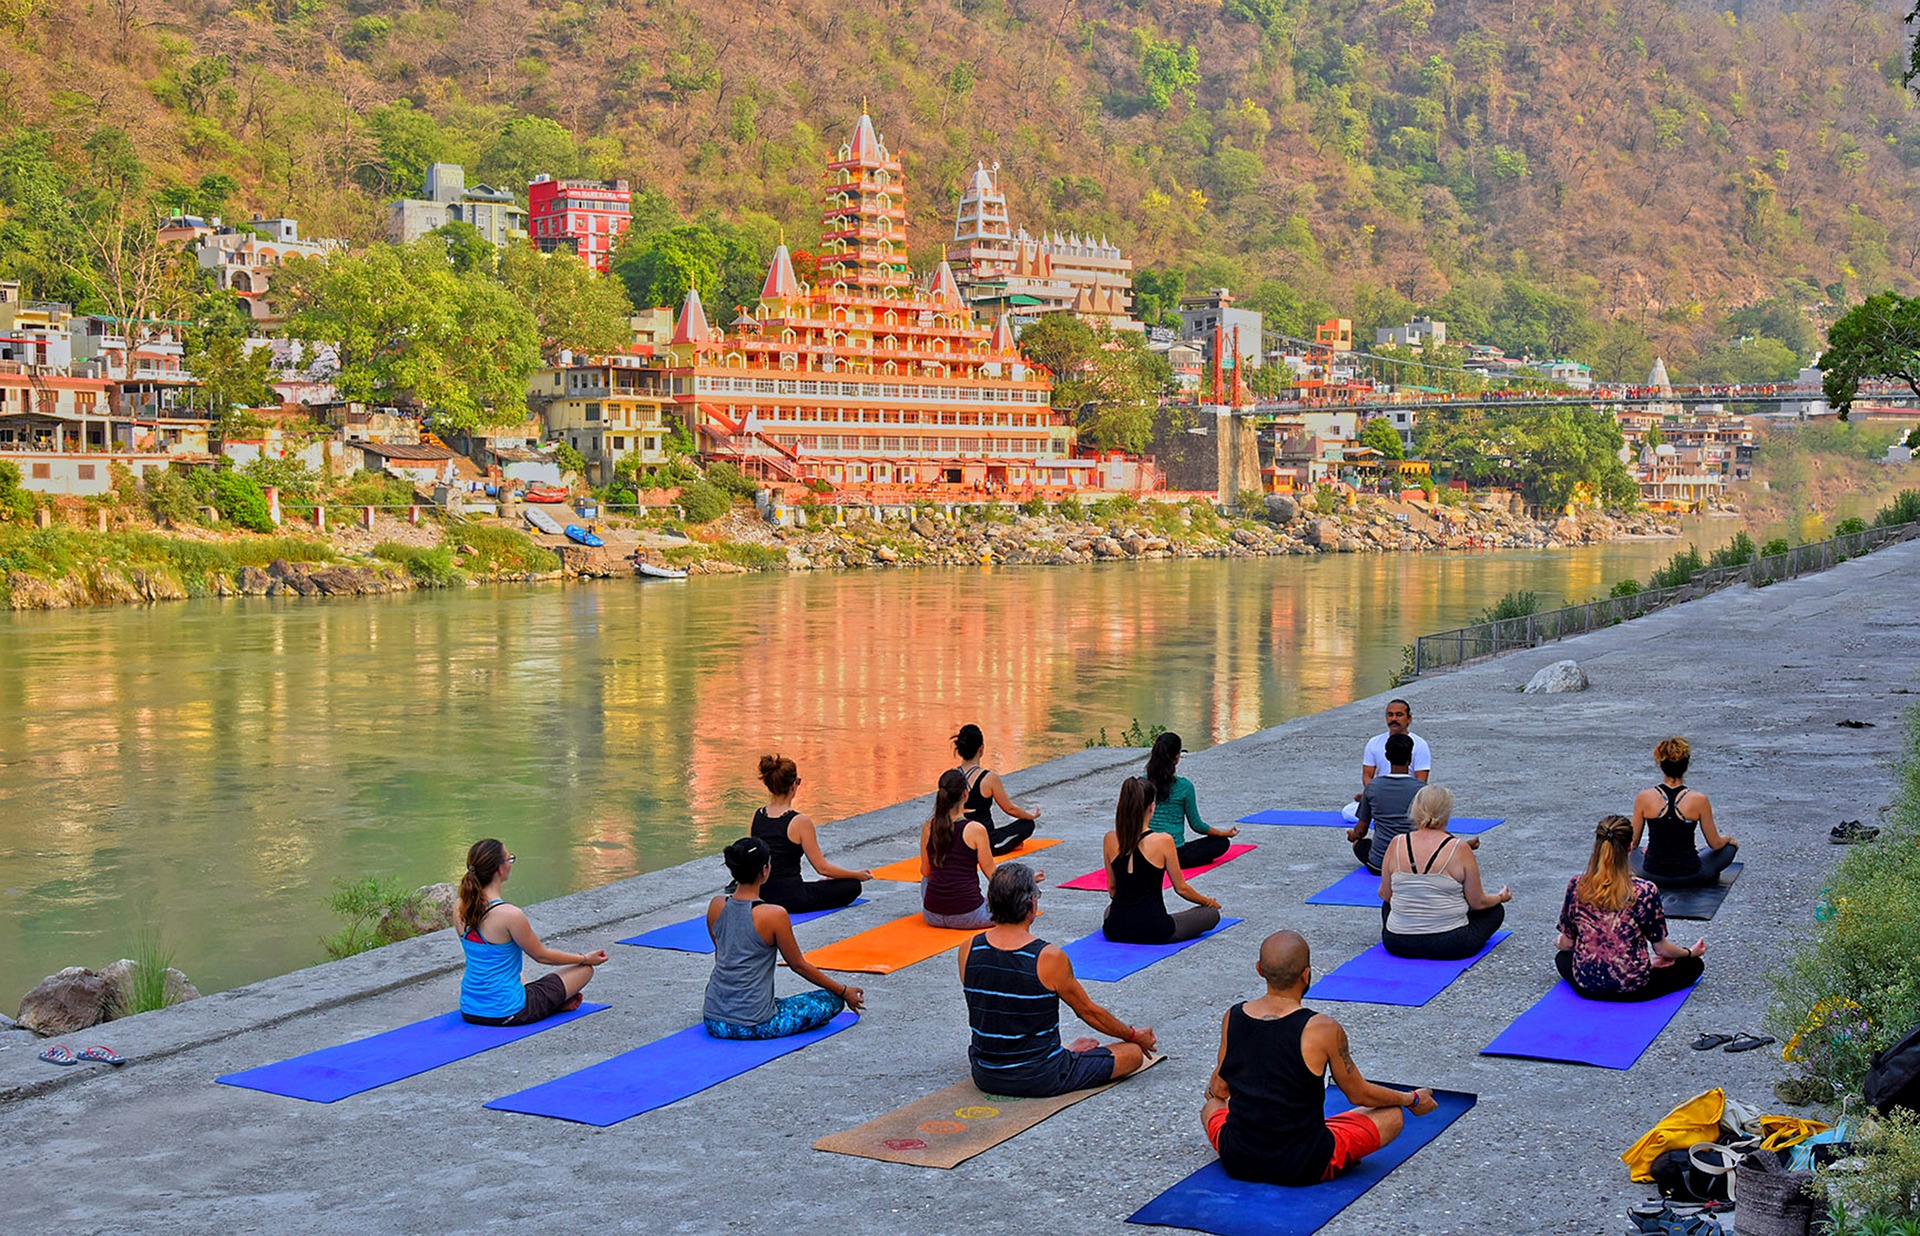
x=1083, y=1044
x=571, y=1005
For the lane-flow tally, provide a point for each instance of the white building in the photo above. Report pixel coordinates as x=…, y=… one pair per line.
x=1418, y=334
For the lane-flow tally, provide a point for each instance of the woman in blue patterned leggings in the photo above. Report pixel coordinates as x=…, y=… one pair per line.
x=747, y=935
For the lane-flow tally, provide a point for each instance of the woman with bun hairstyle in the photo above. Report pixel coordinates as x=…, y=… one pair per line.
x=747, y=934
x=983, y=789
x=789, y=834
x=1670, y=859
x=495, y=937
x=1610, y=920
x=954, y=854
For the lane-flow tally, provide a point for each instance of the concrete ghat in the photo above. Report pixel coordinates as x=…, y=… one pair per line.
x=1757, y=679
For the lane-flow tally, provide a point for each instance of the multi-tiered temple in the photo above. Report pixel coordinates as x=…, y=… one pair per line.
x=1000, y=268
x=863, y=377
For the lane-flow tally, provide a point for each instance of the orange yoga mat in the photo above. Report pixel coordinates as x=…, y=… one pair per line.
x=890, y=946
x=907, y=870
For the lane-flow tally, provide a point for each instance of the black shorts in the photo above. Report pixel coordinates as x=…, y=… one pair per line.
x=545, y=995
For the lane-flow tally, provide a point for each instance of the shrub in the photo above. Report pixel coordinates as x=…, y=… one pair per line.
x=570, y=459
x=1132, y=736
x=1849, y=526
x=1625, y=588
x=731, y=479
x=704, y=502
x=240, y=500
x=1119, y=504
x=1325, y=501
x=1885, y=1197
x=1034, y=506
x=1904, y=509
x=369, y=488
x=499, y=550
x=15, y=503
x=293, y=478
x=1512, y=605
x=1737, y=552
x=1778, y=545
x=171, y=497
x=753, y=557
x=430, y=567
x=1680, y=569
x=1071, y=508
x=375, y=912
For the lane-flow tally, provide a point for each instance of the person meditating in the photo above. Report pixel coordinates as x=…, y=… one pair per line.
x=952, y=849
x=747, y=932
x=1265, y=1112
x=1138, y=860
x=1667, y=813
x=1434, y=907
x=790, y=834
x=495, y=936
x=1374, y=760
x=984, y=788
x=1608, y=922
x=1384, y=805
x=1014, y=983
x=1175, y=809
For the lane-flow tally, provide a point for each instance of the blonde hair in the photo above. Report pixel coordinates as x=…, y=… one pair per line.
x=1432, y=807
x=1608, y=882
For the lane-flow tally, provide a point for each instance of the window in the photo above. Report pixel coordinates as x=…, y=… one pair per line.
x=619, y=443
x=42, y=472
x=86, y=472
x=593, y=411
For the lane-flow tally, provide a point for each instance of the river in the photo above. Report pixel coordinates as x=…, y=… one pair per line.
x=209, y=769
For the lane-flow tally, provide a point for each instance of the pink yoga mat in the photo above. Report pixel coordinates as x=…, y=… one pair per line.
x=1097, y=880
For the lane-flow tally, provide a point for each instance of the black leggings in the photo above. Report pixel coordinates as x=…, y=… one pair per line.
x=1007, y=837
x=1456, y=945
x=1201, y=851
x=803, y=896
x=1363, y=853
x=1187, y=925
x=1712, y=863
x=1684, y=972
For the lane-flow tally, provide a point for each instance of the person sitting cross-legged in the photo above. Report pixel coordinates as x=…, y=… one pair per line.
x=1014, y=983
x=1610, y=921
x=1433, y=906
x=1138, y=861
x=747, y=933
x=1384, y=805
x=1670, y=860
x=1265, y=1112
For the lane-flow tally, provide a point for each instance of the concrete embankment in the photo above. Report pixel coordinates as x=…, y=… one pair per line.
x=1757, y=679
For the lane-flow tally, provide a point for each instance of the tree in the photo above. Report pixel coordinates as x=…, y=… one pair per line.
x=1166, y=70
x=231, y=375
x=1108, y=376
x=1877, y=339
x=1383, y=437
x=1062, y=343
x=467, y=249
x=1156, y=296
x=574, y=306
x=526, y=147
x=660, y=269
x=408, y=140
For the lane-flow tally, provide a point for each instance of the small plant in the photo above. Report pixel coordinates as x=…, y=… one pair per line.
x=1849, y=526
x=1625, y=588
x=430, y=567
x=1035, y=506
x=1071, y=508
x=1132, y=736
x=1904, y=509
x=1737, y=552
x=1679, y=571
x=1777, y=546
x=1101, y=741
x=146, y=988
x=1886, y=1194
x=1325, y=501
x=704, y=502
x=1408, y=670
x=1512, y=605
x=376, y=910
x=753, y=557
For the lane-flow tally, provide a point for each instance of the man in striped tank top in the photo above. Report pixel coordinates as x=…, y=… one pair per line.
x=1014, y=982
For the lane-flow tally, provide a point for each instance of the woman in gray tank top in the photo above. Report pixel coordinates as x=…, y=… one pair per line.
x=747, y=933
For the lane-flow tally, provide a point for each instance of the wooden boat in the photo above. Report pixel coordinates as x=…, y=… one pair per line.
x=581, y=536
x=653, y=570
x=544, y=494
x=544, y=522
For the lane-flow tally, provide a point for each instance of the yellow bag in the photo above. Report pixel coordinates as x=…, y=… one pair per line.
x=1780, y=1132
x=1694, y=1121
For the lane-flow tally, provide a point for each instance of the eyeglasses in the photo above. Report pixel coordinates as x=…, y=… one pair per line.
x=511, y=858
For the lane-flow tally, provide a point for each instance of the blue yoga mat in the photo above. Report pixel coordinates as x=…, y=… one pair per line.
x=1608, y=1034
x=690, y=936
x=333, y=1073
x=1463, y=826
x=1212, y=1201
x=1378, y=977
x=1358, y=887
x=1096, y=957
x=661, y=1072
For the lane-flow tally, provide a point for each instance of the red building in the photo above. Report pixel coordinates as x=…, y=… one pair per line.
x=586, y=216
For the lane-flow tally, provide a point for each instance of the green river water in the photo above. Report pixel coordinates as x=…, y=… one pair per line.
x=210, y=768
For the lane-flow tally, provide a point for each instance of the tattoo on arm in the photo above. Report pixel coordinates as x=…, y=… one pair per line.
x=1346, y=1055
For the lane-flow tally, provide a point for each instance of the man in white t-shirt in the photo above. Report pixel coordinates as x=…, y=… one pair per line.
x=1399, y=718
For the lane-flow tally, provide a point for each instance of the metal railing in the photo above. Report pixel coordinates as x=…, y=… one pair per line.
x=1465, y=645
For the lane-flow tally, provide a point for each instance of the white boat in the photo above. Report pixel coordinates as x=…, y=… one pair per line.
x=655, y=571
x=544, y=522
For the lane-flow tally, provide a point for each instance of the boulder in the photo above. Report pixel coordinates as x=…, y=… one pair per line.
x=434, y=912
x=301, y=584
x=336, y=581
x=1281, y=509
x=1107, y=547
x=887, y=553
x=925, y=527
x=119, y=977
x=71, y=1000
x=1556, y=678
x=280, y=568
x=1324, y=533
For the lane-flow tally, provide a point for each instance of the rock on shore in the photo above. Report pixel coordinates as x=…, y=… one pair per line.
x=78, y=998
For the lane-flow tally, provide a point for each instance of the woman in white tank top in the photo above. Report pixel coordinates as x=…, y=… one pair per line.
x=1434, y=906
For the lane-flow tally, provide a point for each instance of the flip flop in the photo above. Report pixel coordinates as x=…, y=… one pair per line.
x=59, y=1054
x=103, y=1055
x=1747, y=1042
x=1707, y=1042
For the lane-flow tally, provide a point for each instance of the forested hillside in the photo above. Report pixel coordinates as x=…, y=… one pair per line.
x=1599, y=178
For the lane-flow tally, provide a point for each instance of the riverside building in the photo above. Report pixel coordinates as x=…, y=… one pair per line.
x=1000, y=269
x=865, y=377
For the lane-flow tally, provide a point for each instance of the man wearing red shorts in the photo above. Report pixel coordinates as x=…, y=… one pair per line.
x=1266, y=1102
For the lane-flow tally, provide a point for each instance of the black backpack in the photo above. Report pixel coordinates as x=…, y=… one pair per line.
x=1679, y=1179
x=1894, y=1079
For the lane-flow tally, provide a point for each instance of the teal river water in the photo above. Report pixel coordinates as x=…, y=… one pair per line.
x=210, y=768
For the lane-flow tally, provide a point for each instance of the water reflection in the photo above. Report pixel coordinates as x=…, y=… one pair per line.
x=212, y=767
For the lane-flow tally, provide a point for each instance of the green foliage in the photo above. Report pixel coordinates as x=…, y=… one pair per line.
x=62, y=552
x=1512, y=605
x=1166, y=70
x=1775, y=547
x=1904, y=509
x=1133, y=736
x=430, y=567
x=1624, y=588
x=1882, y=1199
x=703, y=502
x=1108, y=377
x=502, y=551
x=726, y=261
x=1383, y=437
x=1877, y=339
x=1554, y=456
x=291, y=477
x=526, y=147
x=753, y=557
x=573, y=306
x=241, y=501
x=1737, y=552
x=376, y=910
x=1849, y=526
x=146, y=989
x=729, y=478
x=1071, y=508
x=1680, y=569
x=569, y=458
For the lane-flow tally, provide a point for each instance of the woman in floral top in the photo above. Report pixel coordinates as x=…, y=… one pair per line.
x=1609, y=921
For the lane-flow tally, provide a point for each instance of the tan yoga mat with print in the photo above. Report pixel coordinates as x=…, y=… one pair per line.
x=947, y=1128
x=907, y=870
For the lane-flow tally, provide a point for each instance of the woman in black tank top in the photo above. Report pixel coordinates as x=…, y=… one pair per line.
x=984, y=789
x=1667, y=814
x=1138, y=862
x=789, y=836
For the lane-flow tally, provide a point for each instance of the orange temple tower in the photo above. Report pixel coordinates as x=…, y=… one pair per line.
x=866, y=377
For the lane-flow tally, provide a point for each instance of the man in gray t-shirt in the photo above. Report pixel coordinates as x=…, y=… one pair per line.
x=1384, y=805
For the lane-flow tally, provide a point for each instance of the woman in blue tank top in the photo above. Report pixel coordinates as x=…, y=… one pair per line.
x=495, y=937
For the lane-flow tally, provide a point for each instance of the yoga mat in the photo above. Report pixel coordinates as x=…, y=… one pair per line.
x=656, y=1074
x=1464, y=826
x=1211, y=1201
x=1702, y=902
x=1356, y=888
x=1096, y=957
x=890, y=946
x=950, y=1126
x=1607, y=1034
x=1378, y=977
x=1097, y=880
x=907, y=870
x=690, y=936
x=333, y=1073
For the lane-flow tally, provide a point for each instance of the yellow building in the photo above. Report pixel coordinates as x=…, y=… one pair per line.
x=609, y=409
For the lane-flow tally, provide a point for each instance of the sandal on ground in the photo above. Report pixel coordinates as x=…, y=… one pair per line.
x=1747, y=1042
x=102, y=1055
x=59, y=1054
x=1707, y=1042
x=1852, y=832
